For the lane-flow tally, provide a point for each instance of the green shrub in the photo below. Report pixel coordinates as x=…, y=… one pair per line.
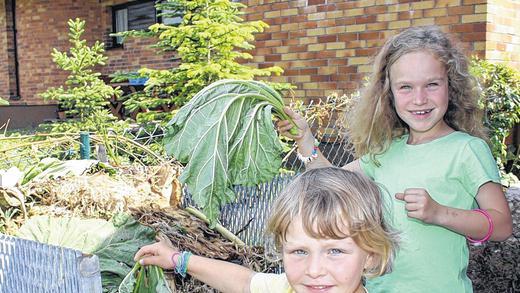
x=501, y=101
x=209, y=43
x=85, y=92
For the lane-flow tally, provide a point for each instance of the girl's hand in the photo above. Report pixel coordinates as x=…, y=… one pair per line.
x=159, y=254
x=420, y=205
x=285, y=125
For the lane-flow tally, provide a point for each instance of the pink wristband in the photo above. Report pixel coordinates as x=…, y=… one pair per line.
x=489, y=232
x=173, y=259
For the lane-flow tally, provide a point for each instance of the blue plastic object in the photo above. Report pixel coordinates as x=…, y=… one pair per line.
x=31, y=267
x=137, y=81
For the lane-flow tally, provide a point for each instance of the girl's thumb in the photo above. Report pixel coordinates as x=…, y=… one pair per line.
x=399, y=196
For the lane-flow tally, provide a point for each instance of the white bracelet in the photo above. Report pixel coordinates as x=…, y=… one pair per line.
x=313, y=156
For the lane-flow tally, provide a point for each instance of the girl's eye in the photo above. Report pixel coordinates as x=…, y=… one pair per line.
x=433, y=84
x=405, y=87
x=299, y=252
x=335, y=251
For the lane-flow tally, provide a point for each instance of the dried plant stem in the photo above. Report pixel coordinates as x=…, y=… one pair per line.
x=219, y=228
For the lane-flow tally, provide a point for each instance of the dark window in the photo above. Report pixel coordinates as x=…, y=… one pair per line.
x=137, y=15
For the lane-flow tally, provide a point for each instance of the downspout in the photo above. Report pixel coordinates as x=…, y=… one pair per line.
x=16, y=95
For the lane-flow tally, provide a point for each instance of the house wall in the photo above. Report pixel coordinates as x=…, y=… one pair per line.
x=503, y=32
x=42, y=26
x=7, y=60
x=327, y=45
x=4, y=69
x=323, y=45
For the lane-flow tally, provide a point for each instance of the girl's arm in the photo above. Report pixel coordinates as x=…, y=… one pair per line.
x=475, y=225
x=490, y=198
x=221, y=275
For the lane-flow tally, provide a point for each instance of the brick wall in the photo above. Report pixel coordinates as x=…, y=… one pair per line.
x=7, y=57
x=42, y=26
x=503, y=32
x=4, y=68
x=323, y=45
x=135, y=53
x=326, y=45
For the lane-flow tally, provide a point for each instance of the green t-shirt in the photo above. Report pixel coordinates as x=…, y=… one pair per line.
x=451, y=168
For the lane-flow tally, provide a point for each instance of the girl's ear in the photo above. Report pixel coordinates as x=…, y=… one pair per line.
x=369, y=263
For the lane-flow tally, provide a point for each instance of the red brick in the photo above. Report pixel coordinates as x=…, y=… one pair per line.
x=273, y=58
x=365, y=19
x=347, y=37
x=327, y=38
x=325, y=8
x=320, y=78
x=316, y=2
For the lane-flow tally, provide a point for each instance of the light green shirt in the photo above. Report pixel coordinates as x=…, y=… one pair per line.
x=276, y=283
x=451, y=168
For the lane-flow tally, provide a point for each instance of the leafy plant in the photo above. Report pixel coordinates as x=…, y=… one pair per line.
x=501, y=101
x=209, y=43
x=85, y=92
x=225, y=134
x=144, y=279
x=3, y=102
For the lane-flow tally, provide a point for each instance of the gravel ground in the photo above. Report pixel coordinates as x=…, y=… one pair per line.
x=495, y=266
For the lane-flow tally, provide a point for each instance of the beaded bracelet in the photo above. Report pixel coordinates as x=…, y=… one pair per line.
x=489, y=232
x=313, y=156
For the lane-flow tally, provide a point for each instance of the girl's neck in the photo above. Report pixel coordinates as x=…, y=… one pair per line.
x=415, y=138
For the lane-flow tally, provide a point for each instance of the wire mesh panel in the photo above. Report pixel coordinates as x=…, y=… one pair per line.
x=28, y=266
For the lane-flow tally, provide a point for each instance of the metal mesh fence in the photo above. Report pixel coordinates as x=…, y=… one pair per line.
x=32, y=267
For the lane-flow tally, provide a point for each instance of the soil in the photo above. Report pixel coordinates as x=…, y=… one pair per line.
x=495, y=266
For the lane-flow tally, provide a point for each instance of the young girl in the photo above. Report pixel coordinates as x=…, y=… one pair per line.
x=417, y=130
x=328, y=226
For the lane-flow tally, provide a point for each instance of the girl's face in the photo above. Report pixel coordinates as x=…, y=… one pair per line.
x=322, y=265
x=419, y=83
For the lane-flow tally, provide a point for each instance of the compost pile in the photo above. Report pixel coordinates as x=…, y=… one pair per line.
x=495, y=266
x=151, y=196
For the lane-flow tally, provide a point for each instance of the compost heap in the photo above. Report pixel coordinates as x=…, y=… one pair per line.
x=151, y=195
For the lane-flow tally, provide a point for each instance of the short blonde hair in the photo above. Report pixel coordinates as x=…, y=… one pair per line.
x=330, y=199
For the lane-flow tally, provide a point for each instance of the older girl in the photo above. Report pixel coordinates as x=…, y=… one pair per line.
x=417, y=130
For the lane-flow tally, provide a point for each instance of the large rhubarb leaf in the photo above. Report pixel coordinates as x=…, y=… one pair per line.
x=225, y=136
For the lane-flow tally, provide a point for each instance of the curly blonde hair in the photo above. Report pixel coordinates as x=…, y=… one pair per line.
x=329, y=199
x=373, y=136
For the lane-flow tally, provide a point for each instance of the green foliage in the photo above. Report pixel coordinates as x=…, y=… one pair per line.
x=145, y=279
x=85, y=91
x=209, y=42
x=501, y=100
x=225, y=134
x=3, y=102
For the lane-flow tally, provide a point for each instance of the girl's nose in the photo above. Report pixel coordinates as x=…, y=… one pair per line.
x=420, y=97
x=315, y=266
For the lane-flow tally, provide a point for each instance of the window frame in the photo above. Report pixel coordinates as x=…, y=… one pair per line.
x=119, y=7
